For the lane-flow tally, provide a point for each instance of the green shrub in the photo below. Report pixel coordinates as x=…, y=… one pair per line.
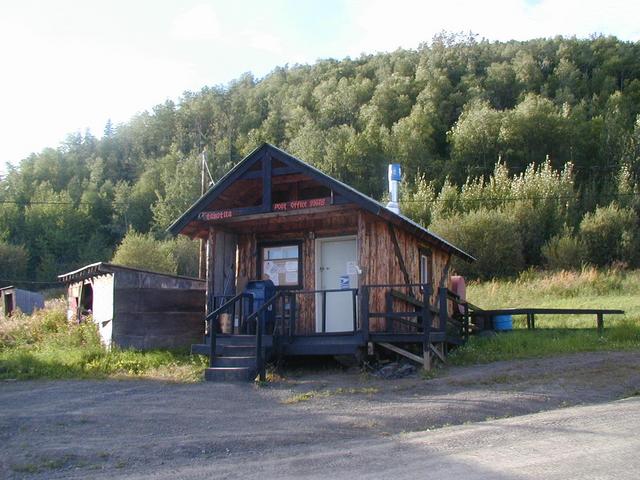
x=492, y=236
x=143, y=251
x=610, y=234
x=187, y=254
x=564, y=252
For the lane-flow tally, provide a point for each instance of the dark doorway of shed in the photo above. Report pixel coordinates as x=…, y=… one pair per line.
x=8, y=304
x=86, y=300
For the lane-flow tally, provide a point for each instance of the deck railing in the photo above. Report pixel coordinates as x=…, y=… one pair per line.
x=419, y=316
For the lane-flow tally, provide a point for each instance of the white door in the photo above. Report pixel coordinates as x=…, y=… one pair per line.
x=336, y=270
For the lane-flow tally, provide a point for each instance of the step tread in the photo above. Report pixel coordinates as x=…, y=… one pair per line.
x=227, y=369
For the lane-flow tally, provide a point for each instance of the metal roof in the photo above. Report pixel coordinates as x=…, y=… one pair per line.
x=347, y=191
x=103, y=268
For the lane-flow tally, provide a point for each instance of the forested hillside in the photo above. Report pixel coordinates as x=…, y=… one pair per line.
x=447, y=112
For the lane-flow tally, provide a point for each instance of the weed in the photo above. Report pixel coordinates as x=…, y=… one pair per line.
x=46, y=345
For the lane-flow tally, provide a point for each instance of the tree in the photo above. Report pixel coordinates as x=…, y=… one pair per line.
x=475, y=138
x=14, y=260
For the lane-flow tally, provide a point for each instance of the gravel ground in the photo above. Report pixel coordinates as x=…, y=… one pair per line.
x=135, y=429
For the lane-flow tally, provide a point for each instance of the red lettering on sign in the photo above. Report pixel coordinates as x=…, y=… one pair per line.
x=216, y=215
x=300, y=204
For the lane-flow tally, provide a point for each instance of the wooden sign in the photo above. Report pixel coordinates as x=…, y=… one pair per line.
x=219, y=215
x=300, y=204
x=276, y=207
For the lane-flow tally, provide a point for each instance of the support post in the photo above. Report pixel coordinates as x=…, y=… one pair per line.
x=259, y=356
x=324, y=311
x=600, y=321
x=466, y=323
x=266, y=183
x=364, y=312
x=443, y=312
x=212, y=341
x=354, y=301
x=427, y=320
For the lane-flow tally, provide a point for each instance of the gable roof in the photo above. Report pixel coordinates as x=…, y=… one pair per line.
x=350, y=193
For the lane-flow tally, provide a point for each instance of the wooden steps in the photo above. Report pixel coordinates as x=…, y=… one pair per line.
x=234, y=361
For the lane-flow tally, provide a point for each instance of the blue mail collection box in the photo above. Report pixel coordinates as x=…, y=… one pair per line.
x=262, y=290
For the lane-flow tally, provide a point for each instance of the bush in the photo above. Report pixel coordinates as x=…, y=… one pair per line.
x=492, y=236
x=610, y=234
x=187, y=255
x=143, y=251
x=564, y=252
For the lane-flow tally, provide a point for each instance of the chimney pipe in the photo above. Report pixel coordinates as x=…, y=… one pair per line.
x=395, y=175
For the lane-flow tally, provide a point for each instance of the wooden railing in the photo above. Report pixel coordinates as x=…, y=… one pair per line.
x=260, y=332
x=213, y=320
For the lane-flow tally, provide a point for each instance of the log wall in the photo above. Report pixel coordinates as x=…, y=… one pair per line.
x=383, y=265
x=377, y=259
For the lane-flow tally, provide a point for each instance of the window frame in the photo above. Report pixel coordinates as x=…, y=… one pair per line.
x=279, y=243
x=428, y=254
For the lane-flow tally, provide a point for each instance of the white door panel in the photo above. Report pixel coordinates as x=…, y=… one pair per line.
x=336, y=270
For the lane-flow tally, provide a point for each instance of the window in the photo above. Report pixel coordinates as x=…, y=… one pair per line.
x=426, y=267
x=281, y=264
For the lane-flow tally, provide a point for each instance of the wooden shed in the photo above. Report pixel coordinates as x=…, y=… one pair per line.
x=16, y=299
x=348, y=273
x=137, y=308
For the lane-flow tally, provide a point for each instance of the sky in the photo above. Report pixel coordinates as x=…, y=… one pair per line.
x=71, y=65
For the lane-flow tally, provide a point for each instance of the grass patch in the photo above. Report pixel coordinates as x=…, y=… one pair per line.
x=520, y=344
x=45, y=345
x=306, y=396
x=557, y=334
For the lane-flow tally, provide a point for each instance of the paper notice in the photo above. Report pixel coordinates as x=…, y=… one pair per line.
x=270, y=268
x=344, y=282
x=352, y=268
x=291, y=277
x=291, y=266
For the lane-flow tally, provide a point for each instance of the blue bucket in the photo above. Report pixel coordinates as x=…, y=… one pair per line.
x=502, y=323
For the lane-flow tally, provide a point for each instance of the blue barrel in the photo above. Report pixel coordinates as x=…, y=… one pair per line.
x=502, y=323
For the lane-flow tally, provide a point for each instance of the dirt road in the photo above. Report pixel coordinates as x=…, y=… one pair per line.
x=329, y=423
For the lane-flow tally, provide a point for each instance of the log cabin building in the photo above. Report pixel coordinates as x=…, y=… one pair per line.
x=342, y=273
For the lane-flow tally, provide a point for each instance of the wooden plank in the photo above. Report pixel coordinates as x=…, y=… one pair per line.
x=551, y=311
x=266, y=183
x=438, y=354
x=396, y=248
x=401, y=351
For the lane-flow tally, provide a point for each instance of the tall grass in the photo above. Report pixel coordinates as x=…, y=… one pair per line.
x=557, y=334
x=612, y=288
x=45, y=345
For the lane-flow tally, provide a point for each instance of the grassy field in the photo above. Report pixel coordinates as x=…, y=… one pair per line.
x=45, y=345
x=556, y=335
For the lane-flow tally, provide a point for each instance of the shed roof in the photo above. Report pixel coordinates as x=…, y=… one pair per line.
x=102, y=268
x=359, y=198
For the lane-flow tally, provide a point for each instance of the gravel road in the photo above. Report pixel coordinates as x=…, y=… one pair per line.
x=333, y=423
